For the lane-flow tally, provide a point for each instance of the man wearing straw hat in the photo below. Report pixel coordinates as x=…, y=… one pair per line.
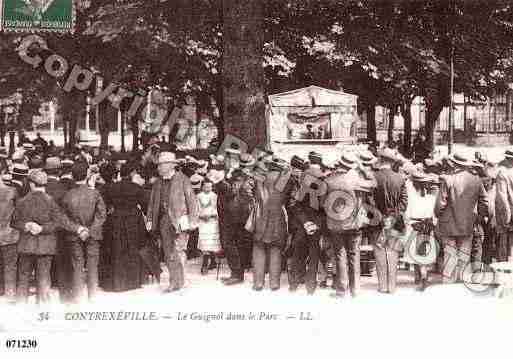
x=173, y=211
x=504, y=207
x=460, y=193
x=344, y=209
x=391, y=199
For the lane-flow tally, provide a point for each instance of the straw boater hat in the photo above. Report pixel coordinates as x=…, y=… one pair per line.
x=509, y=154
x=234, y=149
x=460, y=159
x=53, y=163
x=20, y=169
x=276, y=164
x=367, y=158
x=196, y=181
x=246, y=160
x=298, y=163
x=315, y=158
x=27, y=146
x=348, y=160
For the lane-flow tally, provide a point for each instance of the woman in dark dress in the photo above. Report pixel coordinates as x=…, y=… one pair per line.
x=126, y=201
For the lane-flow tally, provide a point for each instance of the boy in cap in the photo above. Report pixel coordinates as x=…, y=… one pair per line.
x=37, y=217
x=84, y=206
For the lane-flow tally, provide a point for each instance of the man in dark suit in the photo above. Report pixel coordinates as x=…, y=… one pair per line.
x=61, y=265
x=234, y=203
x=84, y=206
x=173, y=211
x=459, y=194
x=37, y=217
x=391, y=199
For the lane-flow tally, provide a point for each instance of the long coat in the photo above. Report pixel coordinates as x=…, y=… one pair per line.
x=8, y=198
x=40, y=208
x=271, y=220
x=458, y=196
x=182, y=202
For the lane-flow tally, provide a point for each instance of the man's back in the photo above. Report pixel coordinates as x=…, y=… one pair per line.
x=459, y=194
x=85, y=206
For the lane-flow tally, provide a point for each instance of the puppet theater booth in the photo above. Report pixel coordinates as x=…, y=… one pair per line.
x=311, y=119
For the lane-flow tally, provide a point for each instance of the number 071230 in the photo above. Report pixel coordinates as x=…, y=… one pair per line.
x=21, y=343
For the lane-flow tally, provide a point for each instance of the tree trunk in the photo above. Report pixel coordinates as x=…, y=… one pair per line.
x=406, y=113
x=134, y=127
x=243, y=93
x=73, y=129
x=390, y=132
x=103, y=124
x=371, y=122
x=433, y=110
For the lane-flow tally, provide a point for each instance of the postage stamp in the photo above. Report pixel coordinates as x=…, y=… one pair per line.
x=38, y=15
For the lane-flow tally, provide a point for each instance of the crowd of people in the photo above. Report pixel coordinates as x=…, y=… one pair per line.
x=83, y=218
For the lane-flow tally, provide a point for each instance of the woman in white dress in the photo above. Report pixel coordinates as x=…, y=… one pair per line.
x=208, y=241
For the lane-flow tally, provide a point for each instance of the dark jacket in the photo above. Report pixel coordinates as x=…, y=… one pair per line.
x=182, y=202
x=271, y=220
x=85, y=206
x=234, y=202
x=40, y=208
x=390, y=195
x=456, y=201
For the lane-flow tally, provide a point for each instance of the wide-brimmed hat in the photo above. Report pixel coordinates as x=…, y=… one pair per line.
x=234, y=149
x=18, y=155
x=388, y=153
x=20, y=169
x=246, y=160
x=167, y=157
x=460, y=159
x=38, y=177
x=348, y=160
x=53, y=163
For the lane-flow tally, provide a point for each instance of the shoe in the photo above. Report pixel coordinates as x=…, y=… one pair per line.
x=274, y=289
x=233, y=281
x=422, y=286
x=213, y=263
x=338, y=295
x=293, y=288
x=204, y=265
x=257, y=288
x=323, y=284
x=171, y=290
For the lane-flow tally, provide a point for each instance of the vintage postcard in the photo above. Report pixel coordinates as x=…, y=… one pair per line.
x=256, y=178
